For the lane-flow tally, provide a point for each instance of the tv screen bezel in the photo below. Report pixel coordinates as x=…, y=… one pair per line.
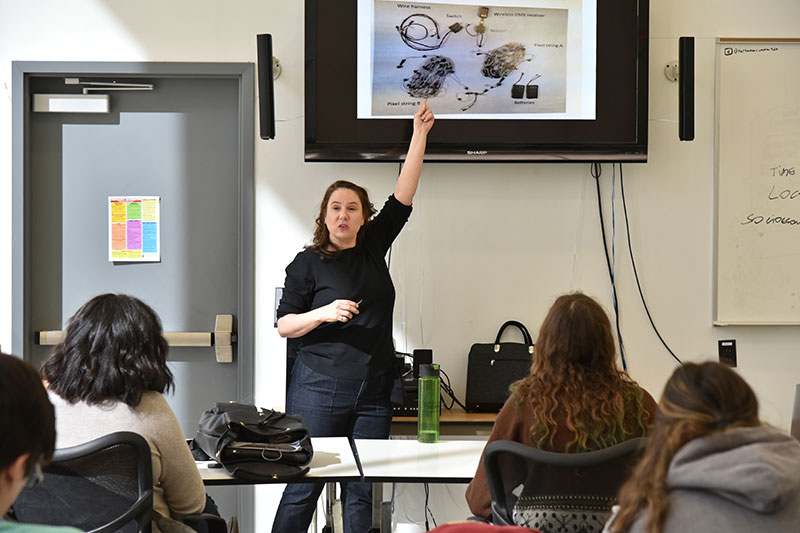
x=566, y=140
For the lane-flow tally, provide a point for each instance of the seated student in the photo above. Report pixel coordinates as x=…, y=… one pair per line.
x=575, y=399
x=710, y=464
x=28, y=438
x=109, y=374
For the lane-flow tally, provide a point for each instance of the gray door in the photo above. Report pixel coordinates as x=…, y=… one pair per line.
x=189, y=142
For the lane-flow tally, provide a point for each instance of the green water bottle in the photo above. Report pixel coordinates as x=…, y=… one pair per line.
x=428, y=415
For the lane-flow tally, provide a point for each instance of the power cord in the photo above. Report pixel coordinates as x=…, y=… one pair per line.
x=447, y=389
x=417, y=27
x=596, y=171
x=428, y=511
x=404, y=372
x=444, y=384
x=614, y=261
x=633, y=264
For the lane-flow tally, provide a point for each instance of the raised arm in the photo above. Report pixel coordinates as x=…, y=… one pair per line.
x=412, y=168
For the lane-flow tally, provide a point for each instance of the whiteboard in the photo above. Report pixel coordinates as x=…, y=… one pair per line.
x=758, y=182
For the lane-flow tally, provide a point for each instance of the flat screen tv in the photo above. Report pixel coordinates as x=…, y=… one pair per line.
x=519, y=80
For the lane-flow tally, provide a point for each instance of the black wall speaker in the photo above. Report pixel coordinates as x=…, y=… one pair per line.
x=686, y=88
x=421, y=357
x=266, y=100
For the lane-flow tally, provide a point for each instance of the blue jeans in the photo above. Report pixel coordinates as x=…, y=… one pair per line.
x=334, y=407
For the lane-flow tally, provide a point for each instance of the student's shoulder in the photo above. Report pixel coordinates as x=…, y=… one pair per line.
x=152, y=409
x=155, y=420
x=514, y=413
x=649, y=402
x=153, y=400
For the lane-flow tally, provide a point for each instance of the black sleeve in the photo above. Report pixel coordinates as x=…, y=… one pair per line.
x=386, y=226
x=298, y=289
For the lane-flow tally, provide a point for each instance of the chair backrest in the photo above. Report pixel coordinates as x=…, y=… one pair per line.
x=553, y=491
x=100, y=486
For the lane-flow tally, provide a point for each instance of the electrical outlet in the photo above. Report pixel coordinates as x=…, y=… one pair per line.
x=727, y=352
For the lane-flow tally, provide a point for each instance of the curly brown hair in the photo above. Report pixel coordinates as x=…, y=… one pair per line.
x=322, y=244
x=698, y=400
x=574, y=377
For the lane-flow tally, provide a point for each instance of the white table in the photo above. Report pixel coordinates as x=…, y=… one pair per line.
x=390, y=460
x=409, y=461
x=333, y=461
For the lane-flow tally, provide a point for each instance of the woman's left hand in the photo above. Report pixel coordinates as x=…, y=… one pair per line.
x=423, y=118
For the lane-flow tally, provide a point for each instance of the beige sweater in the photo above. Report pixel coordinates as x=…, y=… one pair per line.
x=177, y=487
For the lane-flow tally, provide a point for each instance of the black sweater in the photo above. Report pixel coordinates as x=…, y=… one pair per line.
x=361, y=347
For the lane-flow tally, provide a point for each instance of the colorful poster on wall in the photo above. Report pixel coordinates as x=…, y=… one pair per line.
x=134, y=228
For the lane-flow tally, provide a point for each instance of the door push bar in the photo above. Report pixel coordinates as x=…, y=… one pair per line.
x=222, y=338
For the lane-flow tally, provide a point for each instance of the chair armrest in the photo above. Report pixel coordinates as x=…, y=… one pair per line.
x=141, y=511
x=206, y=523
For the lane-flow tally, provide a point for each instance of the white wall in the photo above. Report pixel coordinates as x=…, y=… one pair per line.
x=486, y=242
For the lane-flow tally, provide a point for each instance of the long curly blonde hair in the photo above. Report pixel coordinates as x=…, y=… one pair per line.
x=698, y=400
x=574, y=377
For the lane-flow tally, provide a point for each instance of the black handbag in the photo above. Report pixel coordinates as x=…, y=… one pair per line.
x=255, y=444
x=491, y=368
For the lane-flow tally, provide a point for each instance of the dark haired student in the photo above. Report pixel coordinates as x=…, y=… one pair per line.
x=109, y=373
x=338, y=300
x=28, y=438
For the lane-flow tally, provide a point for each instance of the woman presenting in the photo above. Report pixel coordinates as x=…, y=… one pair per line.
x=338, y=299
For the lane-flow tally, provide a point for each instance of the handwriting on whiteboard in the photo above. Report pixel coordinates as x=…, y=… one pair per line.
x=777, y=193
x=782, y=171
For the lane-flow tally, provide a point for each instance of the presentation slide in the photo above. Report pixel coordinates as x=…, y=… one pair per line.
x=519, y=60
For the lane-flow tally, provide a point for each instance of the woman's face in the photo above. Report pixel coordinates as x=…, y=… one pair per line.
x=344, y=218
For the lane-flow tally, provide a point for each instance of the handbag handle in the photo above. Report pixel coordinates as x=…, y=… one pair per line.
x=520, y=326
x=266, y=416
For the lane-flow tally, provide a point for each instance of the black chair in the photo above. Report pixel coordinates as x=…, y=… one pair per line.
x=101, y=486
x=552, y=491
